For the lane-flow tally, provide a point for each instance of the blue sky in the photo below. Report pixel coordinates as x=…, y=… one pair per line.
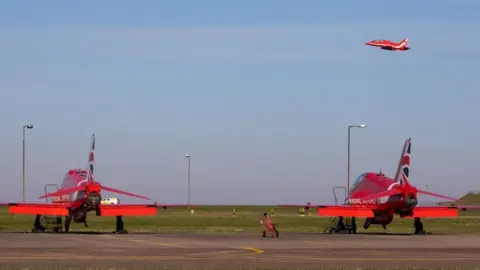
x=259, y=93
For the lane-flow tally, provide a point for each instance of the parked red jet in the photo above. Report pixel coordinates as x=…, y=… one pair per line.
x=390, y=45
x=377, y=198
x=78, y=195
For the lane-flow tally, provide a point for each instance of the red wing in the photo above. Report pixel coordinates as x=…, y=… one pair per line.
x=128, y=209
x=346, y=210
x=48, y=209
x=434, y=211
x=339, y=210
x=435, y=195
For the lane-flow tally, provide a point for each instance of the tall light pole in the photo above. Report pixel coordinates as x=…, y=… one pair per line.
x=348, y=162
x=23, y=161
x=188, y=200
x=426, y=188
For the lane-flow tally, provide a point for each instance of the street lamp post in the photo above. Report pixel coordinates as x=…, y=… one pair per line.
x=23, y=161
x=348, y=162
x=188, y=200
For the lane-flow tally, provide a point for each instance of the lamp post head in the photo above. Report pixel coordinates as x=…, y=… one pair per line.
x=187, y=156
x=28, y=126
x=357, y=126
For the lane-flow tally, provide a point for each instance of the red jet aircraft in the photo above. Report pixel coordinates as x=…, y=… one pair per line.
x=377, y=198
x=390, y=45
x=78, y=195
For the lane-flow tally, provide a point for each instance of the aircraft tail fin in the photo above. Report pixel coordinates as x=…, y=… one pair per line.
x=403, y=169
x=404, y=42
x=91, y=161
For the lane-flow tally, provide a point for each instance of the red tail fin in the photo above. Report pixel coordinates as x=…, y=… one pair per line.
x=403, y=169
x=403, y=43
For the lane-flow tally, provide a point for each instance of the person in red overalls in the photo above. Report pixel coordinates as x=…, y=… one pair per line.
x=269, y=225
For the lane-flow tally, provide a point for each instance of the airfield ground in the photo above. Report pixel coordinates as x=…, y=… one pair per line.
x=201, y=250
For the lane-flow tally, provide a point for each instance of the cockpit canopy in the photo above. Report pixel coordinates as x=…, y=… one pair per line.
x=360, y=178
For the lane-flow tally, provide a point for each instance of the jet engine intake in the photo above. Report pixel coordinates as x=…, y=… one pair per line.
x=410, y=201
x=93, y=200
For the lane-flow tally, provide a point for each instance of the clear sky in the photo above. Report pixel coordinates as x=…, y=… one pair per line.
x=259, y=93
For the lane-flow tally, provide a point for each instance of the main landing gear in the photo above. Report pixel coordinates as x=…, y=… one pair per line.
x=342, y=225
x=44, y=223
x=418, y=225
x=54, y=224
x=119, y=225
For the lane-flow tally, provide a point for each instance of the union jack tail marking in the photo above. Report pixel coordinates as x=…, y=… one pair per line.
x=403, y=170
x=91, y=160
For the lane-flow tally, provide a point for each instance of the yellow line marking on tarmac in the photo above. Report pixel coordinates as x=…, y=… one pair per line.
x=256, y=250
x=142, y=241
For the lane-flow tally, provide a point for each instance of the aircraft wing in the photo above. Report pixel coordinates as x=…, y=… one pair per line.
x=441, y=211
x=434, y=211
x=48, y=209
x=346, y=210
x=128, y=209
x=135, y=209
x=340, y=210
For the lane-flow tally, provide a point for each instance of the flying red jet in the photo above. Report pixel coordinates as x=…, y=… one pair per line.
x=78, y=195
x=390, y=45
x=377, y=198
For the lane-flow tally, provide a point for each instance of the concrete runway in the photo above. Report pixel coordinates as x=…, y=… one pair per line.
x=291, y=250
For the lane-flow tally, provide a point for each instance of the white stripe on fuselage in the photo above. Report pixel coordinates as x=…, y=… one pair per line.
x=75, y=194
x=380, y=200
x=384, y=199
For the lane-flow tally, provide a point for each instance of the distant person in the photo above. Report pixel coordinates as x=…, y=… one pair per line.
x=269, y=225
